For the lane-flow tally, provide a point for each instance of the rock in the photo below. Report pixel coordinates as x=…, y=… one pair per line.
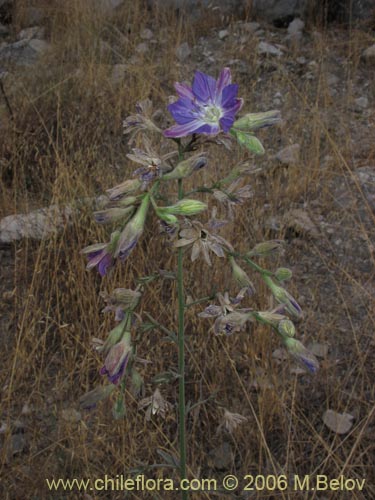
x=361, y=103
x=332, y=80
x=32, y=32
x=250, y=27
x=4, y=31
x=45, y=222
x=70, y=415
x=268, y=49
x=24, y=52
x=369, y=54
x=221, y=457
x=300, y=221
x=141, y=48
x=39, y=224
x=341, y=423
x=295, y=28
x=118, y=74
x=273, y=10
x=32, y=16
x=223, y=34
x=366, y=178
x=289, y=155
x=146, y=34
x=183, y=52
x=106, y=5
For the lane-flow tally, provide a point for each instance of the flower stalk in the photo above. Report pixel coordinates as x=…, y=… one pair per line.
x=181, y=349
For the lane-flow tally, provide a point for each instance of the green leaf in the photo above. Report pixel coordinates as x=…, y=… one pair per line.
x=248, y=141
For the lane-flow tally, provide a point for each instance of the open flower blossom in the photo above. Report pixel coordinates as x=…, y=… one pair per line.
x=101, y=254
x=117, y=359
x=229, y=319
x=208, y=107
x=202, y=241
x=156, y=405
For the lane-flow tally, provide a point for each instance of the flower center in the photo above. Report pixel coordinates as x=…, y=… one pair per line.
x=212, y=114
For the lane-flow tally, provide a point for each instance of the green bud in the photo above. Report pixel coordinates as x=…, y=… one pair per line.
x=186, y=207
x=283, y=274
x=266, y=248
x=168, y=218
x=255, y=121
x=186, y=167
x=241, y=277
x=127, y=187
x=286, y=328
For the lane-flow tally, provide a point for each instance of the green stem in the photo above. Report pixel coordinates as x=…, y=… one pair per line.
x=181, y=351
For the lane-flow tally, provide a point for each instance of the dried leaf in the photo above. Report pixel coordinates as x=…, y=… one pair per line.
x=341, y=423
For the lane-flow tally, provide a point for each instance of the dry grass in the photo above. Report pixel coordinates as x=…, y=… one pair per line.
x=65, y=142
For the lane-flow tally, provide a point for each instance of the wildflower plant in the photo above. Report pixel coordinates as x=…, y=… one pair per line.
x=205, y=113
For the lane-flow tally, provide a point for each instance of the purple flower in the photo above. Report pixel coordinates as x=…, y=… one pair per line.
x=101, y=254
x=100, y=257
x=208, y=107
x=117, y=359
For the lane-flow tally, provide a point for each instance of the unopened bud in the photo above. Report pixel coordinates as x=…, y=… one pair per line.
x=255, y=121
x=266, y=248
x=186, y=167
x=286, y=328
x=283, y=274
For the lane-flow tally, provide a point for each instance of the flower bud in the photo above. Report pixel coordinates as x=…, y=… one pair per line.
x=241, y=277
x=113, y=215
x=114, y=336
x=286, y=328
x=284, y=297
x=301, y=354
x=117, y=359
x=127, y=187
x=255, y=121
x=186, y=167
x=283, y=274
x=266, y=248
x=185, y=207
x=170, y=219
x=132, y=231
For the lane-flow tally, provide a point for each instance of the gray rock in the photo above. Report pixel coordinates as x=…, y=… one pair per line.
x=147, y=34
x=361, y=103
x=369, y=54
x=32, y=32
x=269, y=49
x=141, y=48
x=183, y=52
x=272, y=10
x=33, y=16
x=366, y=178
x=223, y=34
x=250, y=27
x=24, y=52
x=295, y=27
x=332, y=80
x=4, y=31
x=289, y=155
x=118, y=74
x=106, y=5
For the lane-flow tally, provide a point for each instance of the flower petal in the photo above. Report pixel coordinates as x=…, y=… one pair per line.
x=229, y=95
x=184, y=90
x=183, y=130
x=224, y=79
x=204, y=87
x=183, y=110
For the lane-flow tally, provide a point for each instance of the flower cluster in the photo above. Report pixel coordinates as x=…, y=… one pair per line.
x=206, y=109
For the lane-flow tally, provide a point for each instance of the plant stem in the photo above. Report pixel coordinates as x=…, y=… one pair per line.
x=181, y=352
